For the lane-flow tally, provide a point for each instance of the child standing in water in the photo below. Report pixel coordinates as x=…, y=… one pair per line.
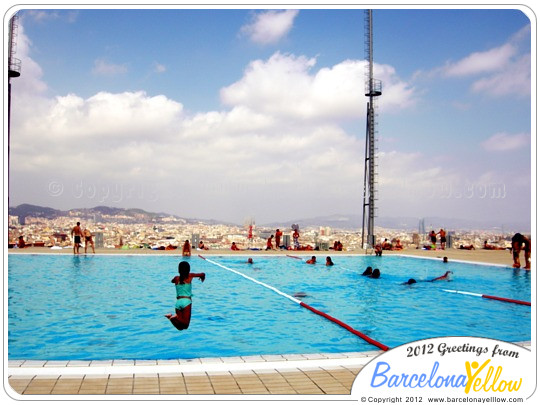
x=182, y=307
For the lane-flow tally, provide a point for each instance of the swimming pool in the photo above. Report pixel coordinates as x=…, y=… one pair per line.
x=62, y=307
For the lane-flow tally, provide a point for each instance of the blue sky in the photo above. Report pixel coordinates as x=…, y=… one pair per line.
x=236, y=113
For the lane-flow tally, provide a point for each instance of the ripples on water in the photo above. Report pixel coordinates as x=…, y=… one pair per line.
x=104, y=307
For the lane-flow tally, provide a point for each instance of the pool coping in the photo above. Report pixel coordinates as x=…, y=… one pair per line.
x=196, y=366
x=128, y=368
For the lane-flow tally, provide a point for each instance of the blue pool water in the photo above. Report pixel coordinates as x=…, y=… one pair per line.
x=96, y=307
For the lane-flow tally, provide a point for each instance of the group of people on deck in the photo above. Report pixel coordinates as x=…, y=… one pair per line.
x=433, y=240
x=78, y=234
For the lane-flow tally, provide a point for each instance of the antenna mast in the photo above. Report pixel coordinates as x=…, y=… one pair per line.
x=373, y=90
x=14, y=70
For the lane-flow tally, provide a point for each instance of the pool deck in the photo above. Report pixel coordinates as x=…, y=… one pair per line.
x=256, y=375
x=304, y=374
x=500, y=257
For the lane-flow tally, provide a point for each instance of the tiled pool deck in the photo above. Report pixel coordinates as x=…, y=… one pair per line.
x=306, y=374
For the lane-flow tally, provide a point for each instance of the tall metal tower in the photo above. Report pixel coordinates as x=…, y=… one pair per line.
x=14, y=70
x=373, y=90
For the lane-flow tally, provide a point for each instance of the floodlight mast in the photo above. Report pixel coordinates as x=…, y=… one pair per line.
x=14, y=70
x=373, y=90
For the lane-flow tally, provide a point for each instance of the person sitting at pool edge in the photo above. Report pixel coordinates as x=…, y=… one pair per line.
x=182, y=307
x=313, y=260
x=234, y=247
x=521, y=242
x=269, y=245
x=21, y=243
x=378, y=249
x=367, y=271
x=386, y=245
x=186, y=249
x=329, y=261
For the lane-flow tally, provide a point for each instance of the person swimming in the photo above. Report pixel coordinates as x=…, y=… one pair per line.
x=329, y=261
x=445, y=276
x=376, y=274
x=367, y=271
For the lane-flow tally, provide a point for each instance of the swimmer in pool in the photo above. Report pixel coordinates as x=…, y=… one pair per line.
x=313, y=260
x=445, y=276
x=409, y=281
x=367, y=271
x=329, y=261
x=376, y=273
x=182, y=307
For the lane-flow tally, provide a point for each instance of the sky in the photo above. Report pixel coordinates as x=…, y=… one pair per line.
x=242, y=113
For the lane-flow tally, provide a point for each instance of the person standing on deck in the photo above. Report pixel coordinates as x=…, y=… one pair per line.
x=278, y=238
x=443, y=238
x=76, y=234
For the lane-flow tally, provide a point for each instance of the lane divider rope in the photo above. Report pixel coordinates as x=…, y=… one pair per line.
x=490, y=297
x=303, y=304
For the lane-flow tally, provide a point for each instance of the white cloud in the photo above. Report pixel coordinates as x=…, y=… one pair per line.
x=42, y=15
x=30, y=82
x=159, y=68
x=278, y=151
x=285, y=86
x=102, y=67
x=504, y=70
x=279, y=140
x=515, y=80
x=492, y=60
x=502, y=142
x=270, y=26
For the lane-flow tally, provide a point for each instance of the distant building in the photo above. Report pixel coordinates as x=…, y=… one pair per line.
x=195, y=239
x=98, y=240
x=450, y=239
x=422, y=227
x=286, y=241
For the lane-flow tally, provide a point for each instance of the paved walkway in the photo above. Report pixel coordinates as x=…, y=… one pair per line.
x=277, y=374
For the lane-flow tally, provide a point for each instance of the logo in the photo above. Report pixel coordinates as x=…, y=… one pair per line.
x=449, y=369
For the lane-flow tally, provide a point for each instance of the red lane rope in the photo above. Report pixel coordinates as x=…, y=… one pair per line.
x=492, y=297
x=344, y=325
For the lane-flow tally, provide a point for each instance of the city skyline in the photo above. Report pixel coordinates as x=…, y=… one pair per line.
x=239, y=113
